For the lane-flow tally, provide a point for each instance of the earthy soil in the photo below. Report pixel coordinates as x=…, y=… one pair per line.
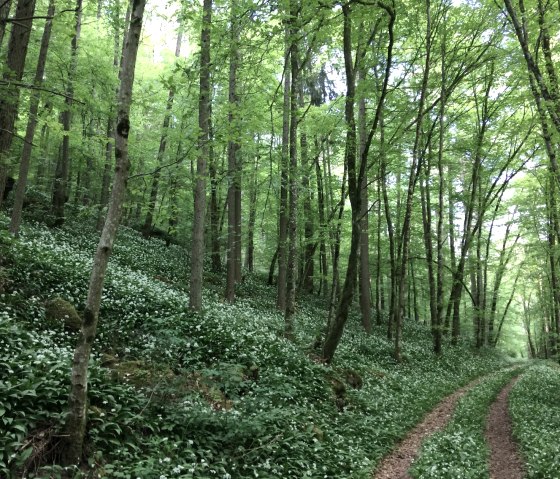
x=396, y=464
x=505, y=461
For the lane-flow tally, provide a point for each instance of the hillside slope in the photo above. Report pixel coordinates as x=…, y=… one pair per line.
x=221, y=394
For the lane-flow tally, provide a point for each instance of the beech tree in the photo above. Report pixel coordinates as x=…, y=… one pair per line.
x=60, y=191
x=197, y=249
x=77, y=415
x=31, y=123
x=15, y=62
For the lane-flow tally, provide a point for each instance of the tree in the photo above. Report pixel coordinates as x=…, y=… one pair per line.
x=234, y=164
x=148, y=223
x=60, y=191
x=15, y=62
x=31, y=123
x=356, y=172
x=197, y=249
x=76, y=419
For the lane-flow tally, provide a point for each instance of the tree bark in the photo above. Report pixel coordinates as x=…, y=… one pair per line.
x=291, y=264
x=364, y=272
x=197, y=249
x=323, y=284
x=13, y=72
x=4, y=13
x=403, y=250
x=76, y=419
x=106, y=178
x=250, y=251
x=60, y=192
x=31, y=124
x=356, y=174
x=148, y=223
x=284, y=166
x=234, y=170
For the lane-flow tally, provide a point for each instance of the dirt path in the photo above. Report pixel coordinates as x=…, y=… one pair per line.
x=505, y=461
x=396, y=464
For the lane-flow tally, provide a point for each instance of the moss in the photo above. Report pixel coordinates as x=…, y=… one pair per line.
x=58, y=310
x=137, y=373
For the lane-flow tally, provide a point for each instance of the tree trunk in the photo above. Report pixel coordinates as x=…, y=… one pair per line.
x=216, y=222
x=355, y=175
x=197, y=249
x=250, y=251
x=13, y=72
x=61, y=193
x=76, y=419
x=323, y=284
x=403, y=252
x=234, y=170
x=291, y=264
x=31, y=124
x=364, y=273
x=284, y=165
x=148, y=223
x=106, y=179
x=4, y=13
x=308, y=265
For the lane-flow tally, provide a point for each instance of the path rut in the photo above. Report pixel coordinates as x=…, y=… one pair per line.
x=397, y=463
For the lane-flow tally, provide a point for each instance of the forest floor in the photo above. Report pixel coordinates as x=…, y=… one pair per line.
x=504, y=462
x=224, y=395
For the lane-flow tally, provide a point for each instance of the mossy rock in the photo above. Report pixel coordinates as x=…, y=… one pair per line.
x=58, y=310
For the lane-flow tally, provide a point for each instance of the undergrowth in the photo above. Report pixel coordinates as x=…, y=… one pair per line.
x=217, y=394
x=535, y=412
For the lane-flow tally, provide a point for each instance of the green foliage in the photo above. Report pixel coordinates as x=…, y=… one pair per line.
x=460, y=450
x=219, y=394
x=535, y=414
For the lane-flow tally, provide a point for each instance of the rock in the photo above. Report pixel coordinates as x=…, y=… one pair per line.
x=58, y=310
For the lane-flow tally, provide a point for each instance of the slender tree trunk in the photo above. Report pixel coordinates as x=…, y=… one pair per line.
x=76, y=419
x=61, y=191
x=390, y=235
x=13, y=72
x=31, y=124
x=291, y=264
x=283, y=213
x=4, y=13
x=216, y=223
x=452, y=255
x=173, y=219
x=43, y=165
x=364, y=272
x=355, y=175
x=106, y=179
x=148, y=223
x=403, y=253
x=272, y=267
x=250, y=251
x=323, y=285
x=428, y=245
x=308, y=263
x=197, y=249
x=234, y=173
x=378, y=275
x=438, y=333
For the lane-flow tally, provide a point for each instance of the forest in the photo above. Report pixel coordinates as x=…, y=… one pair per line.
x=280, y=239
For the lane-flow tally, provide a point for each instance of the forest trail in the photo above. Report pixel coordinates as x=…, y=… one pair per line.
x=505, y=461
x=397, y=463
